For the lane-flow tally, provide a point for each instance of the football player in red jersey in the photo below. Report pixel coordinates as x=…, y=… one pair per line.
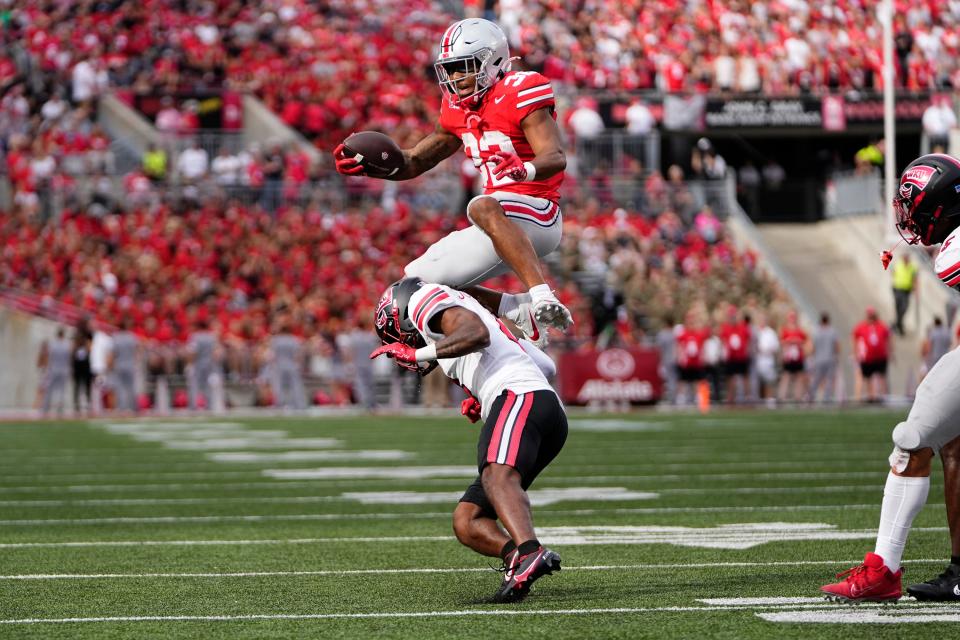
x=928, y=211
x=506, y=123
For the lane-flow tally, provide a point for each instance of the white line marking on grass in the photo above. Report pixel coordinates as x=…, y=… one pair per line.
x=757, y=602
x=311, y=456
x=172, y=426
x=538, y=497
x=616, y=425
x=415, y=614
x=212, y=543
x=359, y=572
x=203, y=434
x=853, y=616
x=205, y=519
x=252, y=443
x=159, y=501
x=388, y=473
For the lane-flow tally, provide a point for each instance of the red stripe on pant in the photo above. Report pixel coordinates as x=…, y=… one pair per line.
x=518, y=429
x=494, y=447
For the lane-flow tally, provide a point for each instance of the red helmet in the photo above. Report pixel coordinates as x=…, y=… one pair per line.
x=392, y=320
x=927, y=204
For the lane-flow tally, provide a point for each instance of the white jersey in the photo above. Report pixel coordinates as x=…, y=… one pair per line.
x=947, y=263
x=503, y=365
x=932, y=422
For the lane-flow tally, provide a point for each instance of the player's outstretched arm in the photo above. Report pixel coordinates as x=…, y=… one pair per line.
x=428, y=153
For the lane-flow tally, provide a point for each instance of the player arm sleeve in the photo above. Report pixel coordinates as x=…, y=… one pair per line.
x=544, y=362
x=947, y=263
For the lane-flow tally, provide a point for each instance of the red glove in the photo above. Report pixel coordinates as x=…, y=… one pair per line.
x=398, y=351
x=509, y=165
x=346, y=165
x=470, y=407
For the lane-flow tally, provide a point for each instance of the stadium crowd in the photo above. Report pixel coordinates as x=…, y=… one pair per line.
x=326, y=68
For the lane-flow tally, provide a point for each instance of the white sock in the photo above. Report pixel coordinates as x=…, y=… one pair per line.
x=510, y=304
x=902, y=500
x=540, y=291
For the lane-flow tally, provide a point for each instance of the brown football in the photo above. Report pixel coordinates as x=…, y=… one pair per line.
x=378, y=153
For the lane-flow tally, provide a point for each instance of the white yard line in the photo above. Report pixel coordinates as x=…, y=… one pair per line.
x=270, y=541
x=360, y=572
x=944, y=614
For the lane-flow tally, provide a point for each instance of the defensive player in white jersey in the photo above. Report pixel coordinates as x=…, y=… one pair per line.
x=928, y=211
x=524, y=425
x=506, y=123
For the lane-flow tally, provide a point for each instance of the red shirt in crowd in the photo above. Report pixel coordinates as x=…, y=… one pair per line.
x=792, y=340
x=690, y=347
x=736, y=342
x=871, y=341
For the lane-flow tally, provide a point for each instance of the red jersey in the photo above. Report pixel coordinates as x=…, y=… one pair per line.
x=871, y=341
x=736, y=342
x=690, y=347
x=500, y=111
x=792, y=341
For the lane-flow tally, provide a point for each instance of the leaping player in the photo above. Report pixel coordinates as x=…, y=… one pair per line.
x=506, y=123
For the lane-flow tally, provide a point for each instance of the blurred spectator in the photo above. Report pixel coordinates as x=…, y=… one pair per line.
x=735, y=337
x=794, y=345
x=826, y=357
x=122, y=362
x=584, y=121
x=765, y=361
x=871, y=348
x=100, y=347
x=773, y=175
x=55, y=361
x=167, y=120
x=904, y=280
x=286, y=359
x=691, y=336
x=706, y=162
x=357, y=344
x=935, y=345
x=748, y=186
x=868, y=159
x=193, y=163
x=640, y=121
x=204, y=357
x=938, y=120
x=80, y=366
x=155, y=163
x=666, y=343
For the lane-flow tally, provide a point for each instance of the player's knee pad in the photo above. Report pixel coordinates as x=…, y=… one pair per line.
x=906, y=436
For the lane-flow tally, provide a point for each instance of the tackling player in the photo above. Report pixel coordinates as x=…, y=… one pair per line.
x=505, y=122
x=928, y=211
x=426, y=325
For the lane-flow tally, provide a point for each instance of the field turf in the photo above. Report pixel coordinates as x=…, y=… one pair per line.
x=669, y=525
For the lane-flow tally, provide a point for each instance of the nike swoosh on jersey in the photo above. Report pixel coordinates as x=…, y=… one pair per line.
x=498, y=100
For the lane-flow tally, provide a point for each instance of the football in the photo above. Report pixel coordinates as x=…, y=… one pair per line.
x=378, y=153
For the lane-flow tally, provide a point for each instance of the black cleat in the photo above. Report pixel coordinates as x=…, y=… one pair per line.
x=521, y=572
x=944, y=588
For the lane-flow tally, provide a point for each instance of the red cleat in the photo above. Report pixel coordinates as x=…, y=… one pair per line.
x=870, y=582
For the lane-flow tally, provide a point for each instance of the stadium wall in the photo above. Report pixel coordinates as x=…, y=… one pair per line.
x=21, y=336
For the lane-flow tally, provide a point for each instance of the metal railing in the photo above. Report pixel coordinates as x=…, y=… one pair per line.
x=850, y=194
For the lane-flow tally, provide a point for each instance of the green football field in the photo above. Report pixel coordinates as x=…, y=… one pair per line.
x=669, y=525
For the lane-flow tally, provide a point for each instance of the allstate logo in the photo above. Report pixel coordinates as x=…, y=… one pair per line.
x=616, y=364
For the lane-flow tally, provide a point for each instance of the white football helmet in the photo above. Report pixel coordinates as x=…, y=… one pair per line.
x=477, y=48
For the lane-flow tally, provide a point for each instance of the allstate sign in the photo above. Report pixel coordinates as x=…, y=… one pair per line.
x=613, y=374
